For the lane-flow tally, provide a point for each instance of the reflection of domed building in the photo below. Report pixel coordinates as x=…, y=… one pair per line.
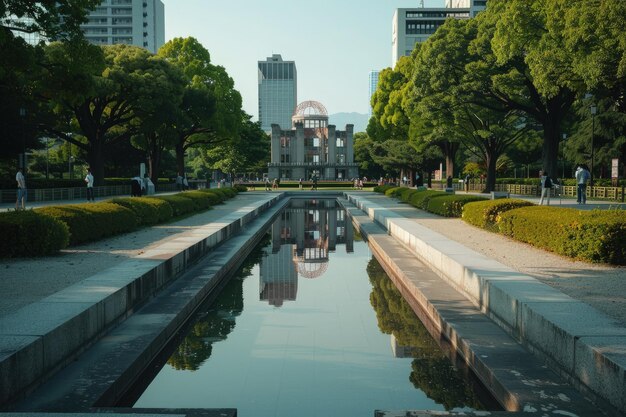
x=302, y=238
x=312, y=147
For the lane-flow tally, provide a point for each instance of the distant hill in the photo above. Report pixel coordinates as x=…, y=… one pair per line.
x=340, y=120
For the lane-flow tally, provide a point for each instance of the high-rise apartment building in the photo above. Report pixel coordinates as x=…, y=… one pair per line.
x=278, y=92
x=132, y=22
x=373, y=84
x=415, y=25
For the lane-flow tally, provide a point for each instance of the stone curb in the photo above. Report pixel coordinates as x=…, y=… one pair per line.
x=42, y=337
x=584, y=345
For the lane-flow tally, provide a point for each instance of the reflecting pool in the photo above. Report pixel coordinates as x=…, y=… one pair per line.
x=310, y=326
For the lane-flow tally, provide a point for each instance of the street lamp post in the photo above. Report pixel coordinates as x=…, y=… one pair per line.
x=563, y=160
x=593, y=109
x=23, y=131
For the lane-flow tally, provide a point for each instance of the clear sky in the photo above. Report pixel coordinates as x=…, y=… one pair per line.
x=334, y=43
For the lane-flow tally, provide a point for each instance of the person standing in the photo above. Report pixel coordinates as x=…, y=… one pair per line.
x=89, y=182
x=179, y=182
x=582, y=177
x=21, y=190
x=267, y=184
x=546, y=187
x=300, y=183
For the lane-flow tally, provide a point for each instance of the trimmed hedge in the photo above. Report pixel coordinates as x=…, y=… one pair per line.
x=394, y=191
x=595, y=236
x=240, y=188
x=383, y=188
x=485, y=214
x=87, y=222
x=200, y=200
x=420, y=199
x=164, y=210
x=29, y=233
x=145, y=213
x=180, y=204
x=450, y=205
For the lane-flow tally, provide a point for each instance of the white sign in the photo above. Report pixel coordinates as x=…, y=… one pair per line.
x=614, y=165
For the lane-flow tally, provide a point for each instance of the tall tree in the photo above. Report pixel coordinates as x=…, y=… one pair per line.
x=211, y=111
x=532, y=72
x=103, y=113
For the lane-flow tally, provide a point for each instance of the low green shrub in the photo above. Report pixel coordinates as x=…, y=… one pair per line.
x=200, y=200
x=485, y=214
x=179, y=204
x=450, y=205
x=164, y=210
x=240, y=188
x=420, y=199
x=29, y=233
x=215, y=195
x=87, y=222
x=394, y=191
x=145, y=212
x=383, y=188
x=595, y=236
x=406, y=193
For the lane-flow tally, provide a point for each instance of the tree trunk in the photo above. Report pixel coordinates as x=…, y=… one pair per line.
x=491, y=159
x=551, y=138
x=180, y=155
x=449, y=149
x=96, y=161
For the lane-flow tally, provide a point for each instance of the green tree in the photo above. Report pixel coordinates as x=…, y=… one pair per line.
x=363, y=145
x=520, y=62
x=211, y=109
x=22, y=64
x=110, y=101
x=155, y=112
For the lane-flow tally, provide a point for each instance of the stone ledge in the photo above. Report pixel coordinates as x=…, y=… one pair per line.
x=568, y=333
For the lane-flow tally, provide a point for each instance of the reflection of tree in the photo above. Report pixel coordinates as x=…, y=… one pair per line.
x=432, y=372
x=218, y=320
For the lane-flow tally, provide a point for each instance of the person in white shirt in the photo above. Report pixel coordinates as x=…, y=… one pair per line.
x=21, y=190
x=89, y=182
x=582, y=176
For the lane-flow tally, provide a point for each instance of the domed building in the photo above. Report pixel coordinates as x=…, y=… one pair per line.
x=312, y=147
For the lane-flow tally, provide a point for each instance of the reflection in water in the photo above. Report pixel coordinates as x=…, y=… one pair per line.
x=302, y=238
x=257, y=349
x=216, y=322
x=432, y=371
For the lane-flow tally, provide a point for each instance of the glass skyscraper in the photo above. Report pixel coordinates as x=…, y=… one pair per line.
x=278, y=93
x=373, y=86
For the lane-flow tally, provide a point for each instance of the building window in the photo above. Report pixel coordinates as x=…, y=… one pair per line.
x=339, y=142
x=341, y=158
x=285, y=158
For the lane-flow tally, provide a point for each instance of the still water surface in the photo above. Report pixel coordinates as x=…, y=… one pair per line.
x=310, y=326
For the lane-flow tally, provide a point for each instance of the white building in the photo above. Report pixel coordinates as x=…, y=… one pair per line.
x=132, y=22
x=415, y=25
x=278, y=91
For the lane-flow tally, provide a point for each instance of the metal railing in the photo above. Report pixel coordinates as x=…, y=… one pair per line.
x=75, y=193
x=606, y=193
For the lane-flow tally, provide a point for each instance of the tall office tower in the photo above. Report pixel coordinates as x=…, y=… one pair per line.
x=132, y=22
x=278, y=92
x=411, y=26
x=373, y=85
x=475, y=6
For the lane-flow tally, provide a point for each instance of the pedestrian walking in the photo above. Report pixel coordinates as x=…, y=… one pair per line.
x=267, y=184
x=179, y=182
x=546, y=188
x=582, y=177
x=185, y=183
x=300, y=183
x=89, y=182
x=22, y=192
